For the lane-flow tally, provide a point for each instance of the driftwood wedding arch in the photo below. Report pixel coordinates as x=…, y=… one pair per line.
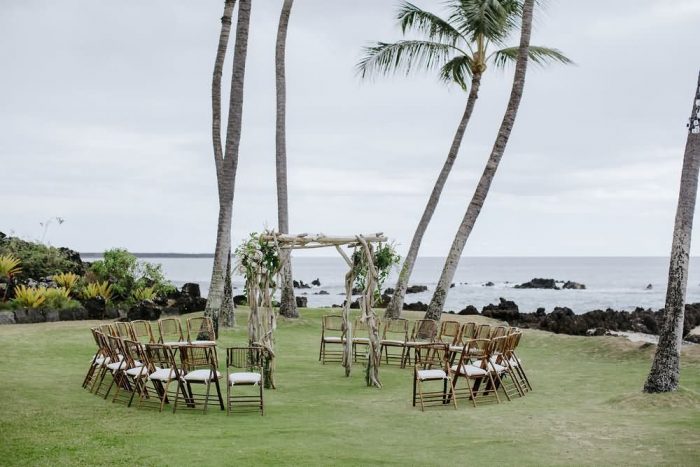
x=259, y=261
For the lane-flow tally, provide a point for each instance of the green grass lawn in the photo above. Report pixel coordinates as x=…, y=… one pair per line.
x=586, y=408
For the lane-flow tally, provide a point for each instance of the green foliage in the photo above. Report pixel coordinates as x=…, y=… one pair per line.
x=38, y=261
x=144, y=293
x=9, y=266
x=59, y=299
x=99, y=289
x=30, y=297
x=127, y=274
x=256, y=255
x=385, y=258
x=67, y=280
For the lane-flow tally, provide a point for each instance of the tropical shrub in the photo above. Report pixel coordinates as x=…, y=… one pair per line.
x=59, y=299
x=99, y=289
x=9, y=266
x=144, y=293
x=67, y=280
x=385, y=258
x=39, y=261
x=126, y=274
x=30, y=297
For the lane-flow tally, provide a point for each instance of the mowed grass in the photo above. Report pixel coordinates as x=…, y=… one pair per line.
x=586, y=408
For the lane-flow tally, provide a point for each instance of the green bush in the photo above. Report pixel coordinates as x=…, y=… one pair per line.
x=59, y=299
x=39, y=261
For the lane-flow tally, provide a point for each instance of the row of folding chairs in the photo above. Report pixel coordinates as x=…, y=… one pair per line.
x=170, y=330
x=488, y=365
x=180, y=373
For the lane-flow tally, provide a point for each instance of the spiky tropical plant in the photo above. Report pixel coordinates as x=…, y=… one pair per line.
x=9, y=267
x=144, y=293
x=99, y=289
x=460, y=48
x=67, y=280
x=30, y=297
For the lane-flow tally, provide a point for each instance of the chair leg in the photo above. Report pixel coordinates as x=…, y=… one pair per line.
x=262, y=405
x=218, y=392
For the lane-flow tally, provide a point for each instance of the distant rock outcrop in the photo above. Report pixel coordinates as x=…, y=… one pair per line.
x=539, y=283
x=417, y=289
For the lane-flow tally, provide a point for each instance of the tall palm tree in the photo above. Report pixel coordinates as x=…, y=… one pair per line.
x=461, y=47
x=665, y=370
x=522, y=53
x=226, y=159
x=288, y=305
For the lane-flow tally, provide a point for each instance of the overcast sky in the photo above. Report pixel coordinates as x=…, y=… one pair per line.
x=105, y=114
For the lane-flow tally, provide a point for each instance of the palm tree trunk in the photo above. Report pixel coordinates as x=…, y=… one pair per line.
x=437, y=303
x=665, y=369
x=226, y=168
x=396, y=304
x=288, y=305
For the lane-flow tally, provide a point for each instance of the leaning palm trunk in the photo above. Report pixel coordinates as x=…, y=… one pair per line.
x=437, y=303
x=665, y=370
x=227, y=161
x=288, y=306
x=396, y=305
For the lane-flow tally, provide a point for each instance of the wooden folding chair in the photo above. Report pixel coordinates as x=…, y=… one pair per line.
x=424, y=331
x=140, y=368
x=244, y=367
x=360, y=333
x=473, y=367
x=142, y=331
x=125, y=371
x=96, y=362
x=115, y=369
x=331, y=334
x=108, y=329
x=483, y=331
x=165, y=372
x=394, y=335
x=466, y=333
x=503, y=373
x=170, y=331
x=123, y=329
x=200, y=330
x=434, y=367
x=199, y=368
x=516, y=363
x=498, y=331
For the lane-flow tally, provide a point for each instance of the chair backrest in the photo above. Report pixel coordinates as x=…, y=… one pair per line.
x=514, y=342
x=161, y=356
x=200, y=328
x=134, y=355
x=396, y=329
x=468, y=331
x=483, y=331
x=499, y=347
x=101, y=341
x=108, y=329
x=498, y=331
x=331, y=325
x=435, y=357
x=475, y=351
x=424, y=330
x=245, y=358
x=170, y=330
x=197, y=357
x=142, y=331
x=123, y=329
x=114, y=345
x=449, y=331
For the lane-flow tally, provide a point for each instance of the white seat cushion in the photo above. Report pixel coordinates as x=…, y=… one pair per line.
x=469, y=370
x=203, y=342
x=456, y=348
x=102, y=361
x=361, y=340
x=175, y=343
x=137, y=371
x=333, y=339
x=431, y=374
x=244, y=378
x=201, y=375
x=162, y=374
x=498, y=368
x=120, y=365
x=392, y=342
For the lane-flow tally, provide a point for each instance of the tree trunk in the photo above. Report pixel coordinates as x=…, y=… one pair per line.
x=288, y=305
x=438, y=301
x=665, y=369
x=227, y=304
x=396, y=304
x=226, y=167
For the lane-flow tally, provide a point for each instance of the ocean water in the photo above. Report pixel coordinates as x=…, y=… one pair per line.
x=612, y=282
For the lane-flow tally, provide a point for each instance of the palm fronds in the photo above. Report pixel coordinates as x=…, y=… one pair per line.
x=457, y=71
x=538, y=55
x=386, y=58
x=432, y=26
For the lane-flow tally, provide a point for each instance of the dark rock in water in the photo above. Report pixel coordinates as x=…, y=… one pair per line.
x=322, y=292
x=191, y=289
x=302, y=302
x=300, y=285
x=452, y=285
x=540, y=312
x=506, y=310
x=355, y=305
x=95, y=307
x=469, y=310
x=573, y=285
x=384, y=301
x=417, y=289
x=417, y=306
x=694, y=338
x=489, y=284
x=389, y=291
x=649, y=287
x=146, y=310
x=7, y=317
x=539, y=283
x=241, y=300
x=316, y=282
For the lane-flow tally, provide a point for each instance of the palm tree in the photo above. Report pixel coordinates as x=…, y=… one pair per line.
x=226, y=159
x=665, y=370
x=460, y=46
x=288, y=305
x=438, y=301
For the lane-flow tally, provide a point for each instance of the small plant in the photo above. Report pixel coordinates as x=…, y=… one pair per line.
x=59, y=299
x=99, y=289
x=9, y=266
x=144, y=293
x=67, y=280
x=30, y=297
x=385, y=258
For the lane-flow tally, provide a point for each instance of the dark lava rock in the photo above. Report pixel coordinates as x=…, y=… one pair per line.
x=417, y=306
x=240, y=300
x=73, y=256
x=356, y=291
x=469, y=310
x=302, y=302
x=540, y=312
x=562, y=320
x=573, y=285
x=300, y=285
x=383, y=301
x=322, y=292
x=694, y=338
x=95, y=307
x=191, y=289
x=539, y=283
x=316, y=282
x=506, y=310
x=389, y=291
x=649, y=287
x=29, y=315
x=7, y=317
x=489, y=284
x=452, y=285
x=146, y=310
x=417, y=289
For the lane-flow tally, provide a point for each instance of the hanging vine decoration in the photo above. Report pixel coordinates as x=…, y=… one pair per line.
x=258, y=260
